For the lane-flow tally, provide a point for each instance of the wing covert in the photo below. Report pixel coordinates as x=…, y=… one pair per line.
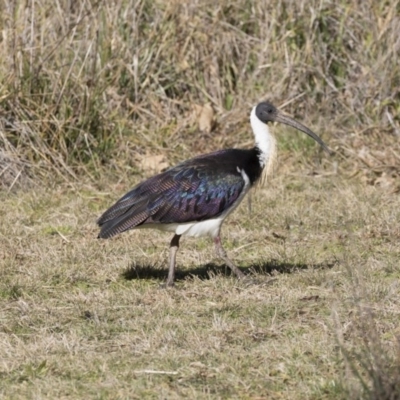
x=195, y=190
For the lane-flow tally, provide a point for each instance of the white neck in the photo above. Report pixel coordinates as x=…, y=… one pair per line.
x=265, y=141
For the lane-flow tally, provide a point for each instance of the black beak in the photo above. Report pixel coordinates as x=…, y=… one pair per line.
x=291, y=122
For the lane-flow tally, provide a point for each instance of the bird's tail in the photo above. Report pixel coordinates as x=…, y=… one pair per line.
x=123, y=215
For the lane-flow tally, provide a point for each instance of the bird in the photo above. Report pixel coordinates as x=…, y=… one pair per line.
x=195, y=197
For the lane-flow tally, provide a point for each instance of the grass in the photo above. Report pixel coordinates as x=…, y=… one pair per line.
x=86, y=318
x=96, y=96
x=98, y=84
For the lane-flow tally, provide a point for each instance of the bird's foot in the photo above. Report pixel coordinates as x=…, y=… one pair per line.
x=166, y=285
x=248, y=281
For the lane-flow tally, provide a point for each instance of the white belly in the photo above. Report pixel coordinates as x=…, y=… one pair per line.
x=210, y=227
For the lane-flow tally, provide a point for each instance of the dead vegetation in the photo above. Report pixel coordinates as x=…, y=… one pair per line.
x=86, y=319
x=95, y=95
x=86, y=83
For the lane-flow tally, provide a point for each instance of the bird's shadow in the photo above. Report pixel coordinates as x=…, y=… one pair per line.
x=207, y=271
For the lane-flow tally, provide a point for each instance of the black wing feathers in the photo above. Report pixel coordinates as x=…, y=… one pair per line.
x=196, y=190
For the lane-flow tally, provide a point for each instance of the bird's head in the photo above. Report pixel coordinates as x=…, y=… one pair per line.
x=267, y=112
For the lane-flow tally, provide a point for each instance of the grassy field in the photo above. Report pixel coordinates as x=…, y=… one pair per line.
x=83, y=318
x=95, y=97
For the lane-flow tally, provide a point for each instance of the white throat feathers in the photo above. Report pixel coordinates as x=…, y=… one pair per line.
x=265, y=142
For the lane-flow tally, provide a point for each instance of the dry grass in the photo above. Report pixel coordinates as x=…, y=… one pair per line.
x=87, y=83
x=84, y=318
x=92, y=93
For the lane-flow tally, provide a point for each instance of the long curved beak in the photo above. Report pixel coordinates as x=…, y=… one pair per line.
x=291, y=122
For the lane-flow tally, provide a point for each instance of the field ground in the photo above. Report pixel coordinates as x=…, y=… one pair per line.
x=96, y=94
x=83, y=318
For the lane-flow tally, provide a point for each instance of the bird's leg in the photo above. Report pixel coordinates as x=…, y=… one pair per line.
x=222, y=253
x=172, y=258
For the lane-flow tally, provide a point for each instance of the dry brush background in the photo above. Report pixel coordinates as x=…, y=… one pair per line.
x=97, y=95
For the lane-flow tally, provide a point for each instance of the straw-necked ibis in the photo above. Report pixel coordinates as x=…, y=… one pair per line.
x=194, y=197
